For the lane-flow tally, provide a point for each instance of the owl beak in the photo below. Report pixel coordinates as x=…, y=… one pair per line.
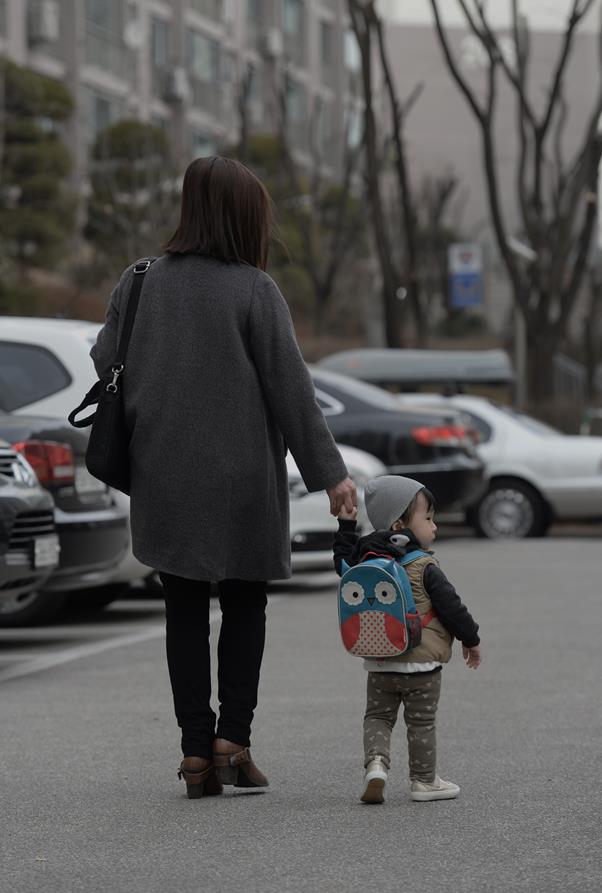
x=371, y=601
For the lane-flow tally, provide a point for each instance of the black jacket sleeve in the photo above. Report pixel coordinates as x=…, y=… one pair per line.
x=348, y=546
x=449, y=608
x=345, y=541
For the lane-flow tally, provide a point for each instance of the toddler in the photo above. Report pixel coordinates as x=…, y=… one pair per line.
x=402, y=512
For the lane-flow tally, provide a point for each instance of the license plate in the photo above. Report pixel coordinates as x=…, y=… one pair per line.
x=86, y=483
x=46, y=551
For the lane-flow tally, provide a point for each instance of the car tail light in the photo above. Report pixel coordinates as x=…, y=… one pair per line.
x=447, y=436
x=53, y=463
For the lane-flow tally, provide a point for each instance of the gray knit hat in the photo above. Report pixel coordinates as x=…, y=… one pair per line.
x=388, y=497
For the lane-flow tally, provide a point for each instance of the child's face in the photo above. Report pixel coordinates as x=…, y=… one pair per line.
x=421, y=523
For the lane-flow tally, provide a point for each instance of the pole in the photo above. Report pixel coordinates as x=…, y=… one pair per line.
x=520, y=358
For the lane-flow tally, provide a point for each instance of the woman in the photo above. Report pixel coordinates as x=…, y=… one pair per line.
x=215, y=391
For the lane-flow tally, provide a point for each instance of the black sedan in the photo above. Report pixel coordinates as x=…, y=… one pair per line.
x=432, y=447
x=93, y=532
x=29, y=546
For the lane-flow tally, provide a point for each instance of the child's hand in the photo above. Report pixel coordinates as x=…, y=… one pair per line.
x=472, y=656
x=345, y=515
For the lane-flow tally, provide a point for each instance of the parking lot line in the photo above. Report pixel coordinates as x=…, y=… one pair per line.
x=57, y=658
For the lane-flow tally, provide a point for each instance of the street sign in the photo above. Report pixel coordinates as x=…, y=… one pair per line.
x=465, y=267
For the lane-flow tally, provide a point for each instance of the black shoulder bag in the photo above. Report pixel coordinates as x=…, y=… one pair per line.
x=107, y=454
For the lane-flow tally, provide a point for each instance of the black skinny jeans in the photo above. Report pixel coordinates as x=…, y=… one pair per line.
x=239, y=650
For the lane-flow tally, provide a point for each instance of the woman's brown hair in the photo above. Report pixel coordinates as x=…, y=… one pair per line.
x=226, y=213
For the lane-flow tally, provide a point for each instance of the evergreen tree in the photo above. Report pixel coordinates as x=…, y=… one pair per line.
x=37, y=212
x=134, y=195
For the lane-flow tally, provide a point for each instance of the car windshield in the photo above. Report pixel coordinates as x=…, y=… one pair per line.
x=353, y=387
x=531, y=424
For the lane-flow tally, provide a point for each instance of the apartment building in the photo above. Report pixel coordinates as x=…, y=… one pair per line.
x=180, y=64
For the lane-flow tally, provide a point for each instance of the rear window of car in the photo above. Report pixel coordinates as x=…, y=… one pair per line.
x=29, y=373
x=356, y=389
x=531, y=424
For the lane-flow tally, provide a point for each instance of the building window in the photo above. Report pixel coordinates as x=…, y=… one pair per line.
x=326, y=44
x=296, y=112
x=293, y=25
x=203, y=67
x=43, y=24
x=103, y=110
x=213, y=9
x=351, y=53
x=254, y=10
x=105, y=46
x=354, y=126
x=201, y=144
x=159, y=52
x=100, y=13
x=159, y=43
x=292, y=17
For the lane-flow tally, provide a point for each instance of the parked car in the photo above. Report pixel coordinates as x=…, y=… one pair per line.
x=592, y=422
x=45, y=369
x=312, y=525
x=536, y=474
x=93, y=531
x=430, y=445
x=410, y=370
x=29, y=545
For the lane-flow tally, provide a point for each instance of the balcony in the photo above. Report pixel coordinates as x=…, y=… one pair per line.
x=211, y=9
x=294, y=49
x=106, y=51
x=206, y=95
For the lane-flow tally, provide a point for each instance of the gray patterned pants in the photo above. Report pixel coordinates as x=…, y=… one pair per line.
x=419, y=694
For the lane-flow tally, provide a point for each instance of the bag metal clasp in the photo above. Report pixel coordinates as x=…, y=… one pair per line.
x=112, y=386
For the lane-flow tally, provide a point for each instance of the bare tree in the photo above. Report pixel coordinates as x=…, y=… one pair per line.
x=556, y=197
x=408, y=258
x=326, y=212
x=592, y=321
x=363, y=15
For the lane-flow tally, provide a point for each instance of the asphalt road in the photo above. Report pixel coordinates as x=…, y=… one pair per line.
x=89, y=749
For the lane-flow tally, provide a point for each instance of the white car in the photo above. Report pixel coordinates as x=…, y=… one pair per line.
x=312, y=525
x=46, y=368
x=536, y=474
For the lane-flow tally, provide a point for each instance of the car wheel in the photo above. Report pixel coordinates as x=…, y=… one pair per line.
x=509, y=510
x=97, y=598
x=30, y=608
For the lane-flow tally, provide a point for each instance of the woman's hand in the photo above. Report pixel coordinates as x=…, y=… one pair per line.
x=344, y=494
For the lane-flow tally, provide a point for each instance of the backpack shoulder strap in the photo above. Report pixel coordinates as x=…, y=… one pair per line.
x=414, y=555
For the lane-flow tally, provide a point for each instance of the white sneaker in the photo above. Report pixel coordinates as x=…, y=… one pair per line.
x=374, y=781
x=436, y=790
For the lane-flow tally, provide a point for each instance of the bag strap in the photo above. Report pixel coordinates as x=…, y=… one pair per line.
x=414, y=555
x=132, y=306
x=118, y=365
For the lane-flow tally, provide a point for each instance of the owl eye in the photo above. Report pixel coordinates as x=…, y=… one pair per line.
x=353, y=593
x=385, y=593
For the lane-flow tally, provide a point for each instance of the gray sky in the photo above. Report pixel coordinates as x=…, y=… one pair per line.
x=542, y=14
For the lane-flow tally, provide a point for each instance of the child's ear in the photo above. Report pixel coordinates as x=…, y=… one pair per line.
x=397, y=525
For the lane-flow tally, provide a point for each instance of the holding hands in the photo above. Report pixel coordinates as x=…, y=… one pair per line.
x=343, y=496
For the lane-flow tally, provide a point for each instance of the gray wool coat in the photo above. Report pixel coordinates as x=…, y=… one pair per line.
x=215, y=390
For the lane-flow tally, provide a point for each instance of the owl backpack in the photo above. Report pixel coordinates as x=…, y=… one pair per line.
x=377, y=613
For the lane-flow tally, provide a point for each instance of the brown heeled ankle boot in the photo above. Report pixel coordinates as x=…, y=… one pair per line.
x=233, y=765
x=199, y=775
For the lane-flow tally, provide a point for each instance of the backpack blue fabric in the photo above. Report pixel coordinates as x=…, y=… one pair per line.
x=377, y=613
